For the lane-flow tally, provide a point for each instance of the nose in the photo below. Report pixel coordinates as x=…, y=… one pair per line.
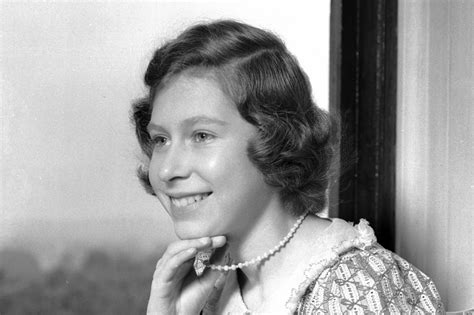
x=173, y=164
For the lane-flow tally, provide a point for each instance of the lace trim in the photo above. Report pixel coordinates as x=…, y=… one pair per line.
x=365, y=238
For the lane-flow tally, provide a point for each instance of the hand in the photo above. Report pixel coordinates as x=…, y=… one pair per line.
x=175, y=288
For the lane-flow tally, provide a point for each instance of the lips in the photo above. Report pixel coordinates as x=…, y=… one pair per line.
x=188, y=200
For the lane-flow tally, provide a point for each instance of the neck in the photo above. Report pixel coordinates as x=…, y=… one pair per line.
x=270, y=229
x=258, y=282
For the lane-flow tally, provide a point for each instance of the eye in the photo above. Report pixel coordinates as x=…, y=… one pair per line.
x=159, y=141
x=202, y=137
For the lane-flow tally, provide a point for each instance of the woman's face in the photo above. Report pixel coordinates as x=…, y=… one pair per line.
x=199, y=168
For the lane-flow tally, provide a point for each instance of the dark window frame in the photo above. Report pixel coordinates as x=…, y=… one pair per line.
x=363, y=78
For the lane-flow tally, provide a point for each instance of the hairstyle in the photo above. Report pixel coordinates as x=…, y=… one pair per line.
x=294, y=148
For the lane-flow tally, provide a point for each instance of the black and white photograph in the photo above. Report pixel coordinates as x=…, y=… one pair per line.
x=237, y=157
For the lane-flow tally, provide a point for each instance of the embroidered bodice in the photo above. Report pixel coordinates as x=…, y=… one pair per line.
x=347, y=272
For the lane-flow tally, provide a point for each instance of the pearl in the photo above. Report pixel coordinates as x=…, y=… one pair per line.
x=282, y=243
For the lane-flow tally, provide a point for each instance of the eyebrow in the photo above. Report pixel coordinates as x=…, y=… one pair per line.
x=192, y=121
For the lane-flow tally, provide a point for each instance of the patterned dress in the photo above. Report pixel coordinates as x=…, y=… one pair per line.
x=348, y=274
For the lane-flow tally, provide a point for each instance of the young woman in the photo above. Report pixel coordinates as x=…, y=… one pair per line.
x=240, y=157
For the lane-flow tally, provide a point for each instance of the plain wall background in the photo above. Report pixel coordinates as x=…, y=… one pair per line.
x=435, y=138
x=69, y=71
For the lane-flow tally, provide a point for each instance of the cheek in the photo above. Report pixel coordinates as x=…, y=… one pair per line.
x=152, y=171
x=226, y=166
x=156, y=184
x=235, y=176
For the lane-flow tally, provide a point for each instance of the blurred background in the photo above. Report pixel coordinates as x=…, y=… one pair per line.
x=75, y=225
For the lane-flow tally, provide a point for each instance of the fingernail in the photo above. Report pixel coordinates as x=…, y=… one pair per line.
x=219, y=240
x=204, y=240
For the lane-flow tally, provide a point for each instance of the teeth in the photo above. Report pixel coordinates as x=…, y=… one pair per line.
x=186, y=201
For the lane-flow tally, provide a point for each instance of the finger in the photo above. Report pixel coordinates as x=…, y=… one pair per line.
x=169, y=269
x=200, y=244
x=168, y=266
x=163, y=290
x=218, y=241
x=177, y=266
x=215, y=243
x=179, y=246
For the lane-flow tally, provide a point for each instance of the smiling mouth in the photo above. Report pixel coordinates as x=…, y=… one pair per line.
x=189, y=200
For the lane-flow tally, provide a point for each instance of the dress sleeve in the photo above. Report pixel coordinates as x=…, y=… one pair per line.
x=373, y=280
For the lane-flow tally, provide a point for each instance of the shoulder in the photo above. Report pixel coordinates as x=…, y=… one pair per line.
x=373, y=279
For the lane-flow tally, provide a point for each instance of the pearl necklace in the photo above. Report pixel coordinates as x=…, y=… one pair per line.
x=257, y=260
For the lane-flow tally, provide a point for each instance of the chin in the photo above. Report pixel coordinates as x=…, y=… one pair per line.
x=188, y=231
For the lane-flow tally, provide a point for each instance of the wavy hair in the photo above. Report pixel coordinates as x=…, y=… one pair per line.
x=294, y=148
